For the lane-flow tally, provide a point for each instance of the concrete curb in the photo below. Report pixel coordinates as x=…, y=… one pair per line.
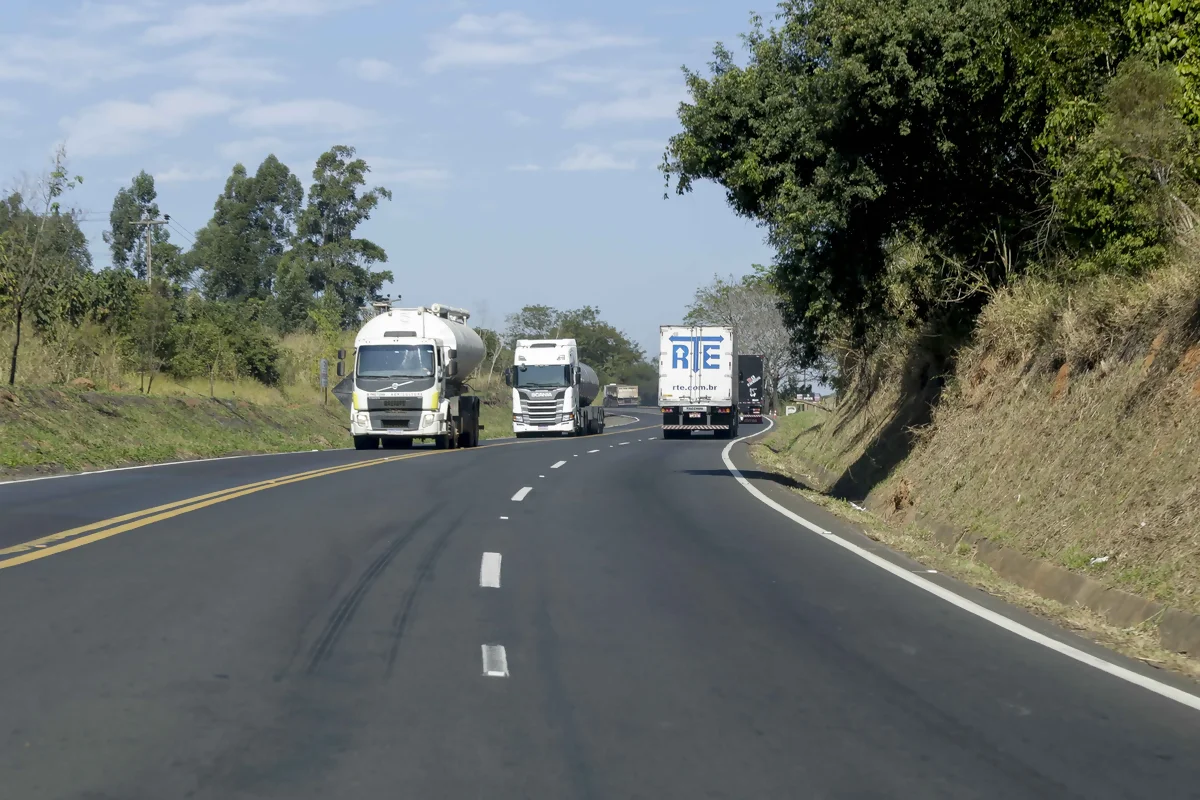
x=1178, y=631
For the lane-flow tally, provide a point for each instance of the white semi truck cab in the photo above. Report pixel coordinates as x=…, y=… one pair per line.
x=409, y=372
x=552, y=391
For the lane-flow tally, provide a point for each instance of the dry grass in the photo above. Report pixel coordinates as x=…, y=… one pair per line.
x=918, y=543
x=1069, y=431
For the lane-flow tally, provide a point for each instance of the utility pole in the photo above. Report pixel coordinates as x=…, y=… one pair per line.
x=149, y=223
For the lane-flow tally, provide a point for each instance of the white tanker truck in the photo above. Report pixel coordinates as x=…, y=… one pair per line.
x=552, y=391
x=410, y=364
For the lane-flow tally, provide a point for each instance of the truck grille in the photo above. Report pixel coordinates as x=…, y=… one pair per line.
x=542, y=411
x=392, y=420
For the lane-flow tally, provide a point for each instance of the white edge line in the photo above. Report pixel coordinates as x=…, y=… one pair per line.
x=593, y=451
x=489, y=571
x=495, y=661
x=556, y=466
x=971, y=607
x=504, y=518
x=520, y=495
x=623, y=443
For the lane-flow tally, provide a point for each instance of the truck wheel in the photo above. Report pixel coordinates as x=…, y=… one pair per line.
x=366, y=442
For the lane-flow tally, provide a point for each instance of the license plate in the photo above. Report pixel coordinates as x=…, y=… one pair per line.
x=543, y=427
x=695, y=415
x=694, y=408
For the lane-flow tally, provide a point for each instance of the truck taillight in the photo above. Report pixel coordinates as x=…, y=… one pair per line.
x=667, y=409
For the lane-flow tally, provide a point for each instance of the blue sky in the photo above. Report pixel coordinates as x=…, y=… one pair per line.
x=520, y=138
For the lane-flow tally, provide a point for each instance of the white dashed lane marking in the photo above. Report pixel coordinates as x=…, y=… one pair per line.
x=556, y=466
x=495, y=662
x=489, y=571
x=519, y=496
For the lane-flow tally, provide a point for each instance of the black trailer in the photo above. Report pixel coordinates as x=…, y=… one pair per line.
x=750, y=388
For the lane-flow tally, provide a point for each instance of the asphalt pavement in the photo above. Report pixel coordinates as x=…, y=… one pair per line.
x=612, y=616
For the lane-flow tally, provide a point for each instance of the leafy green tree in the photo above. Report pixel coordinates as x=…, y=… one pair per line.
x=240, y=249
x=293, y=294
x=860, y=133
x=127, y=239
x=39, y=250
x=1168, y=32
x=339, y=264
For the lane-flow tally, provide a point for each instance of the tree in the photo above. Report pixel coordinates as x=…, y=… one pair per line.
x=152, y=333
x=36, y=249
x=340, y=265
x=858, y=126
x=240, y=250
x=127, y=239
x=751, y=306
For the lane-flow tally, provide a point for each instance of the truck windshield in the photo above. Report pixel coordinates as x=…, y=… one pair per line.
x=395, y=361
x=526, y=376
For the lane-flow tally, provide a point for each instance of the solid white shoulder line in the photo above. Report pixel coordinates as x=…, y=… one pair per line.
x=971, y=607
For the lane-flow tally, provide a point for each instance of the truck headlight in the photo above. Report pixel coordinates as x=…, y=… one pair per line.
x=518, y=418
x=364, y=419
x=426, y=420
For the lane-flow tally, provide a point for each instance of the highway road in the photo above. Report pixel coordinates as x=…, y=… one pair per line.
x=607, y=617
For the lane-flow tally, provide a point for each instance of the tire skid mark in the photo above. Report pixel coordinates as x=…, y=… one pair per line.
x=424, y=573
x=348, y=607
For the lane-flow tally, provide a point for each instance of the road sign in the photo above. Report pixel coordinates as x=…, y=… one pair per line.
x=790, y=410
x=324, y=373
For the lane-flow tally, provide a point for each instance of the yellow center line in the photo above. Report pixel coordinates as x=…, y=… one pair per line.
x=45, y=546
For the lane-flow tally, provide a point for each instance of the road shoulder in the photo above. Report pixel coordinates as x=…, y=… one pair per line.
x=1134, y=650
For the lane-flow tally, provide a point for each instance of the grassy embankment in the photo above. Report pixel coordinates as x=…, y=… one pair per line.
x=1067, y=430
x=68, y=414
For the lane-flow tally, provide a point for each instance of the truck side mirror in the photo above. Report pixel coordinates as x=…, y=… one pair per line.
x=452, y=368
x=342, y=355
x=341, y=369
x=508, y=376
x=578, y=375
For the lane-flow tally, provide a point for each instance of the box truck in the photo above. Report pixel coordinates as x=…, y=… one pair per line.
x=750, y=375
x=697, y=382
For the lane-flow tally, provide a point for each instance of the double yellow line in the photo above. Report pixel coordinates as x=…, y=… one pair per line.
x=75, y=537
x=96, y=531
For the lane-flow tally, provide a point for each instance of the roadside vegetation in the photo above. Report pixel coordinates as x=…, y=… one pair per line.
x=238, y=313
x=985, y=223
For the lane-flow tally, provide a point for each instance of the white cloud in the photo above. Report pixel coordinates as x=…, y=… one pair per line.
x=310, y=115
x=96, y=17
x=65, y=63
x=590, y=158
x=244, y=18
x=179, y=174
x=373, y=70
x=637, y=108
x=251, y=150
x=121, y=126
x=511, y=38
x=214, y=65
x=10, y=108
x=524, y=168
x=416, y=174
x=517, y=119
x=635, y=95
